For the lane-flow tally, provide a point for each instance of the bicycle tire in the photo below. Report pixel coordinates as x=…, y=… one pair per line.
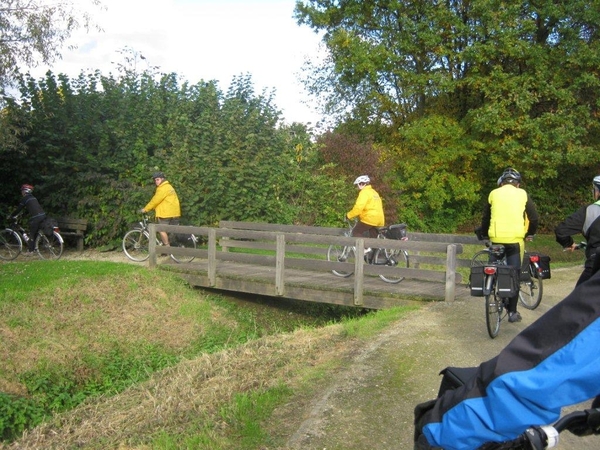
x=493, y=314
x=10, y=244
x=135, y=245
x=530, y=292
x=341, y=253
x=481, y=258
x=49, y=247
x=184, y=241
x=397, y=257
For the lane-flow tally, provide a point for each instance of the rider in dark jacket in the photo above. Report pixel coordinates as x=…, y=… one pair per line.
x=35, y=211
x=583, y=221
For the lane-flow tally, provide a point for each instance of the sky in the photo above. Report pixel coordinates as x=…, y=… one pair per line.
x=203, y=40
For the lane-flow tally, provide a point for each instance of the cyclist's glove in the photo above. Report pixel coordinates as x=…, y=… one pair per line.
x=420, y=421
x=481, y=235
x=588, y=425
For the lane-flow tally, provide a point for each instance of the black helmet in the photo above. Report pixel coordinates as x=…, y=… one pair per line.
x=510, y=175
x=156, y=175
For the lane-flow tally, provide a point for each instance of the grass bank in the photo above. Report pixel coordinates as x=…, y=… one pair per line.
x=91, y=342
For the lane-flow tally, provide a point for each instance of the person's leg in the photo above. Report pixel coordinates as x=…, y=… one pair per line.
x=164, y=236
x=34, y=228
x=361, y=230
x=513, y=258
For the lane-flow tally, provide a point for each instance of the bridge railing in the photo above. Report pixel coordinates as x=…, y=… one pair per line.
x=303, y=247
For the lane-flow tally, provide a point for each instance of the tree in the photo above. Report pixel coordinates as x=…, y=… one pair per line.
x=519, y=82
x=34, y=31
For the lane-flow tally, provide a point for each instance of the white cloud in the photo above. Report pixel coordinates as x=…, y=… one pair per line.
x=204, y=40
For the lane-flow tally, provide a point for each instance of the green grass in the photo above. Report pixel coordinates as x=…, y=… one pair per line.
x=75, y=330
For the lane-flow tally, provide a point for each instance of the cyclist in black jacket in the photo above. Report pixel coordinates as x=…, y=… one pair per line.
x=584, y=221
x=36, y=214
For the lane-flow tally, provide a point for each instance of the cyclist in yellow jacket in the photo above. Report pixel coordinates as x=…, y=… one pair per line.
x=368, y=208
x=510, y=218
x=166, y=204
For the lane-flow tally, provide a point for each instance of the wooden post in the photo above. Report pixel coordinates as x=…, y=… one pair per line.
x=212, y=257
x=152, y=245
x=359, y=262
x=450, y=292
x=280, y=265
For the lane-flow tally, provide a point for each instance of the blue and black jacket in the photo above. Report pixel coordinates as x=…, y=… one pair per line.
x=551, y=364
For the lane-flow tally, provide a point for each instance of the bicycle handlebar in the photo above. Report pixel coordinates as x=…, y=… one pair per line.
x=580, y=423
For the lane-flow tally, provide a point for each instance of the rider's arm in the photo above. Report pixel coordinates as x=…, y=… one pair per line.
x=19, y=208
x=532, y=216
x=551, y=364
x=569, y=227
x=486, y=218
x=359, y=205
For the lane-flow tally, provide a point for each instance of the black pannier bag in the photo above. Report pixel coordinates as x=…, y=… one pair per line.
x=544, y=263
x=397, y=231
x=48, y=225
x=508, y=281
x=476, y=281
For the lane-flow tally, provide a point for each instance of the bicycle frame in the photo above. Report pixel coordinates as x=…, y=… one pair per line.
x=373, y=256
x=136, y=243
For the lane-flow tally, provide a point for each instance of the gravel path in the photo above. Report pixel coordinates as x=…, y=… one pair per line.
x=371, y=407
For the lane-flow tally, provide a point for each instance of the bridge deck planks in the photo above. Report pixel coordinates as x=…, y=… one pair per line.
x=312, y=286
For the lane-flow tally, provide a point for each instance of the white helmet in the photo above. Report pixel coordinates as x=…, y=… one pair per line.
x=363, y=179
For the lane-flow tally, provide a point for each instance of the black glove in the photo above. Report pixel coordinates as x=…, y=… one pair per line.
x=420, y=411
x=481, y=235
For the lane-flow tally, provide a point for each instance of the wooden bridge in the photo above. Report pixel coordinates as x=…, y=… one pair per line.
x=291, y=262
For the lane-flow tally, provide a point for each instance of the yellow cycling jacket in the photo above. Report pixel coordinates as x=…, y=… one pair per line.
x=509, y=221
x=368, y=208
x=165, y=201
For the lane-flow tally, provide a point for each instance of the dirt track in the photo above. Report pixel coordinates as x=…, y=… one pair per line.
x=368, y=408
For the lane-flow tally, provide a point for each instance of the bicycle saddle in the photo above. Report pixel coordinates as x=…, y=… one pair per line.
x=497, y=250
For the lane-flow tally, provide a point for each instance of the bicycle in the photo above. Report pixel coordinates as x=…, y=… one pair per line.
x=531, y=286
x=137, y=240
x=13, y=236
x=380, y=256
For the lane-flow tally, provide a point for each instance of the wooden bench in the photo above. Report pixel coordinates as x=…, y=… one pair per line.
x=73, y=228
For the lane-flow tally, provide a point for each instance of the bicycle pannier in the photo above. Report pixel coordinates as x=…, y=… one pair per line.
x=508, y=281
x=476, y=281
x=544, y=263
x=397, y=231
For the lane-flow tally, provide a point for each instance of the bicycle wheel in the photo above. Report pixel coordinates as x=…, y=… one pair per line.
x=480, y=258
x=49, y=247
x=184, y=241
x=10, y=244
x=135, y=245
x=342, y=254
x=393, y=258
x=493, y=314
x=530, y=292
